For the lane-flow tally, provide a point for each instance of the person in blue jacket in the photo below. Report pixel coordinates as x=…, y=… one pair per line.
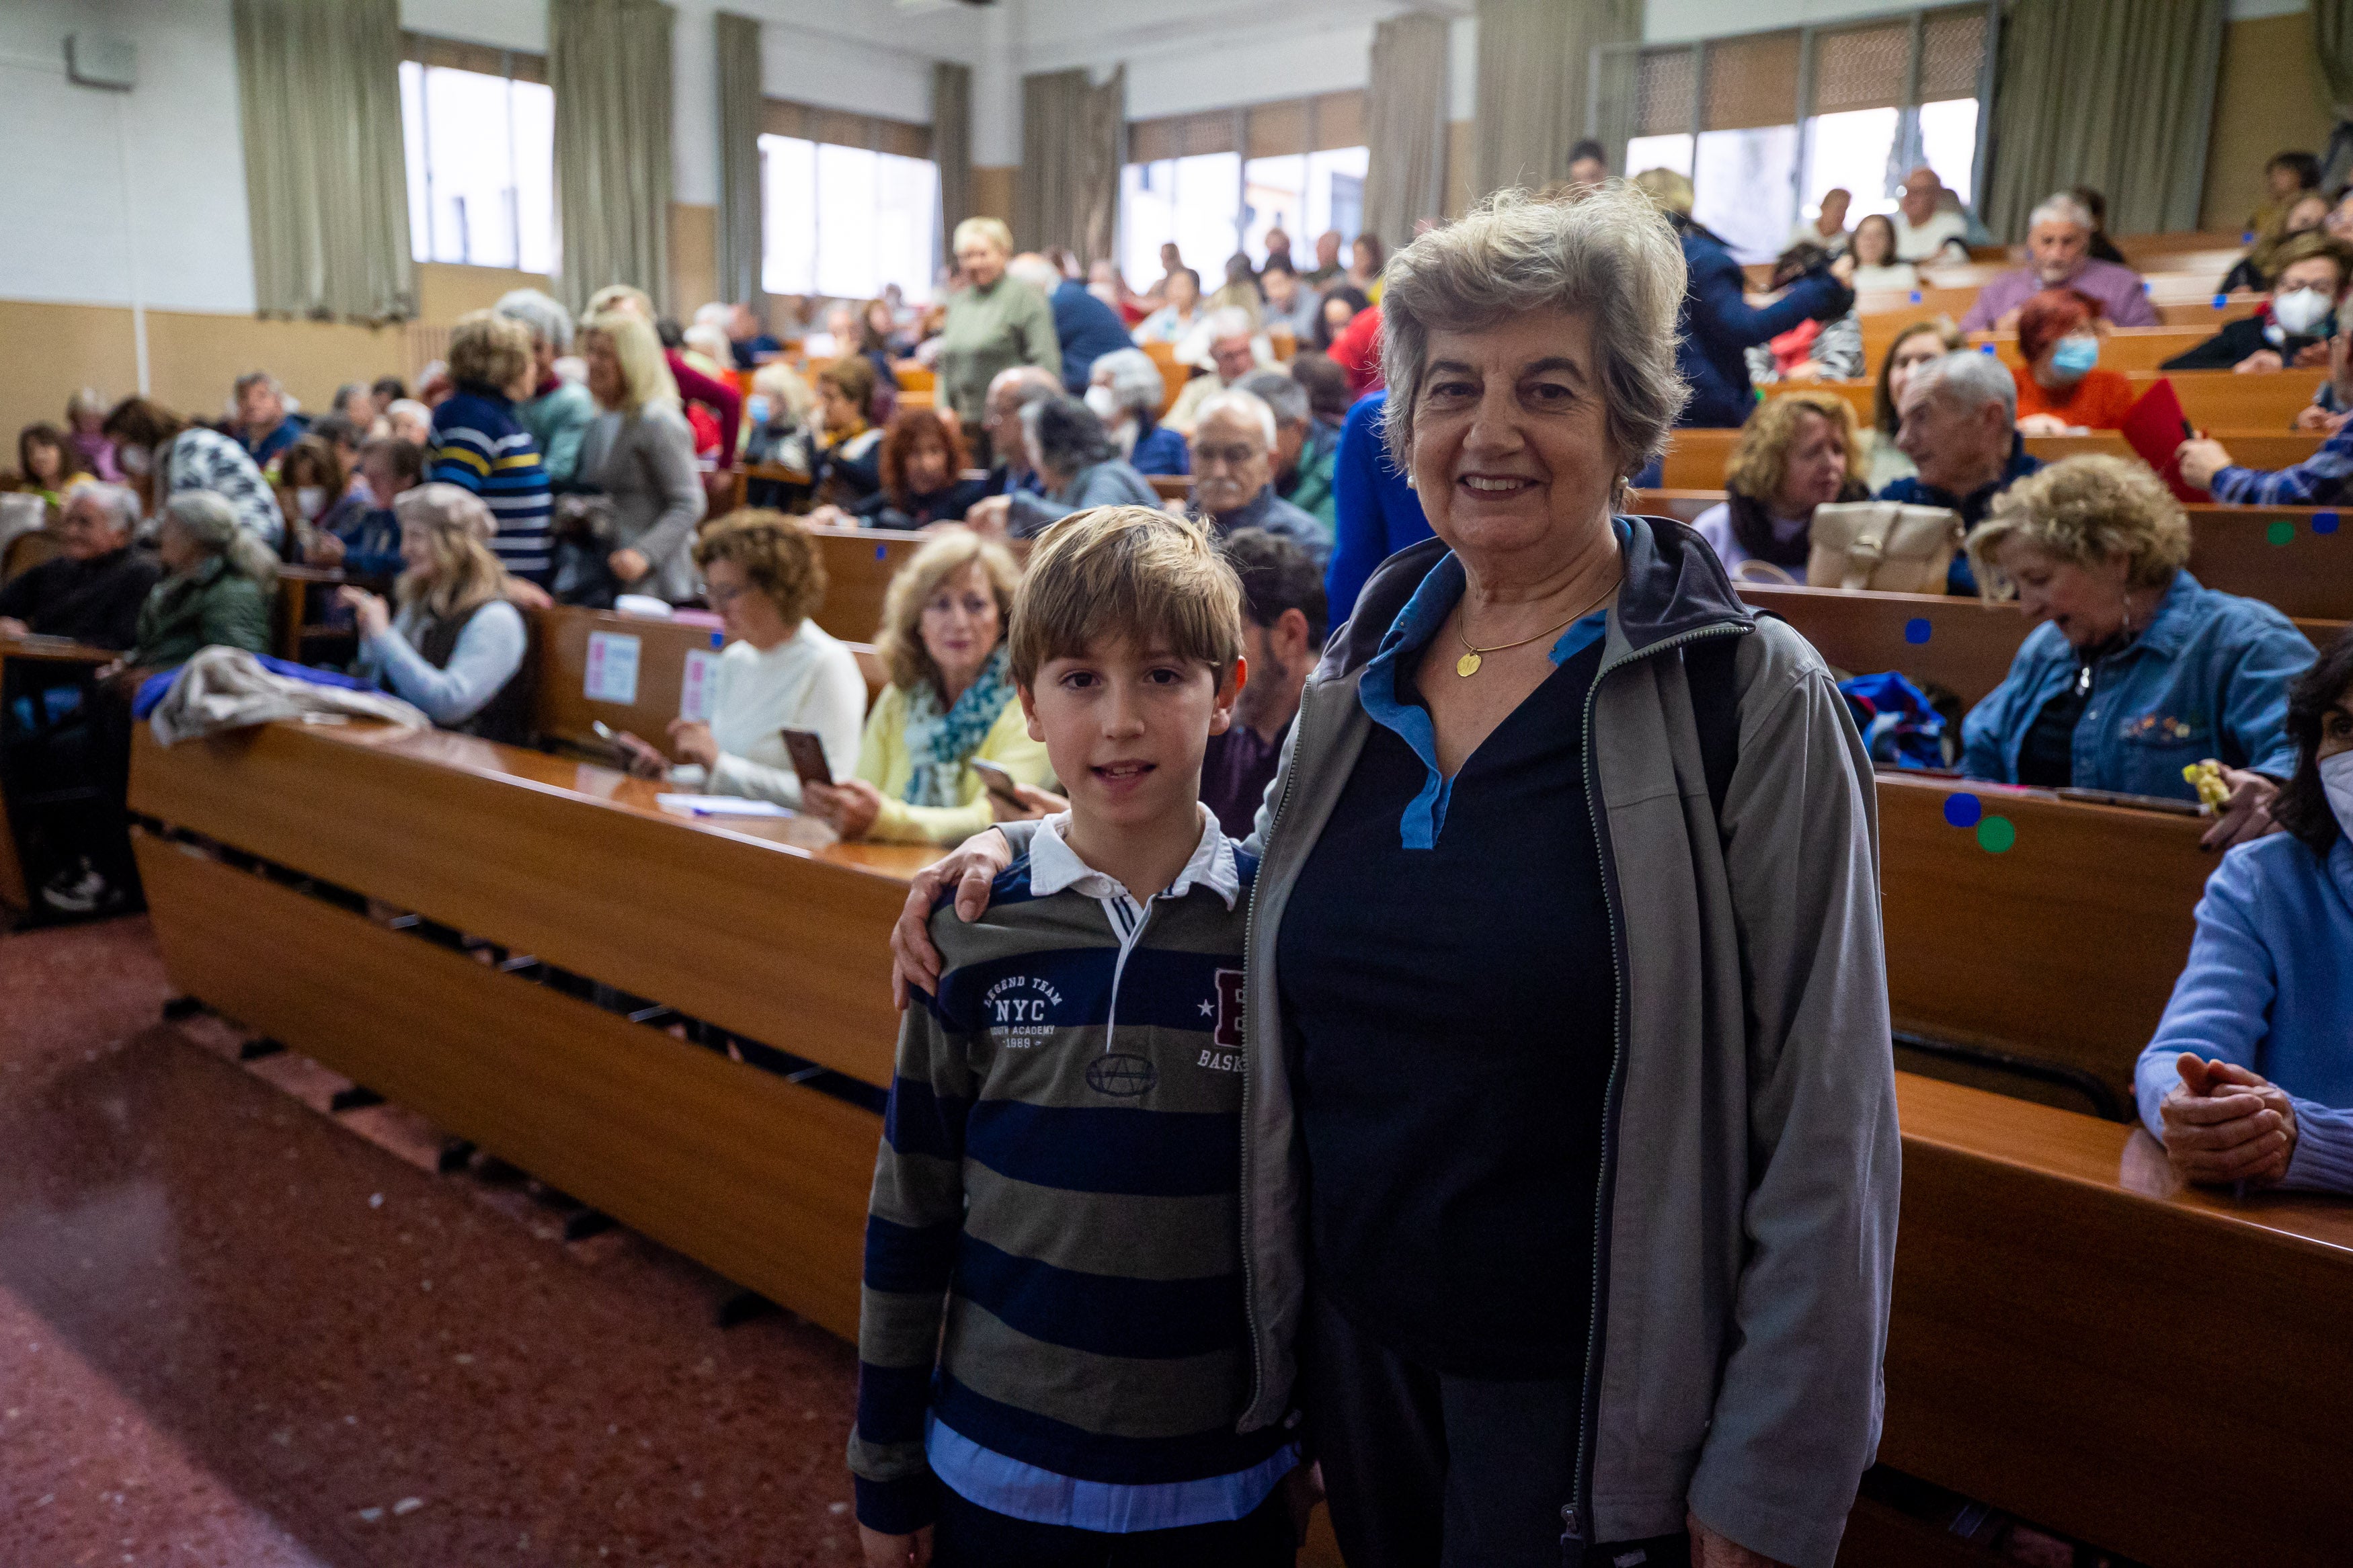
x=1378, y=514
x=2250, y=1075
x=1086, y=327
x=1717, y=326
x=2133, y=670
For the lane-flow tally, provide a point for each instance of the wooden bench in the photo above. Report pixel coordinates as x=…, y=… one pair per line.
x=1696, y=458
x=1172, y=377
x=2185, y=304
x=2216, y=401
x=2058, y=1300
x=858, y=565
x=1964, y=645
x=664, y=655
x=2122, y=348
x=2061, y=948
x=762, y=927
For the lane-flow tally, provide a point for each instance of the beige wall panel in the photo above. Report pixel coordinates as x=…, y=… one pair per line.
x=992, y=192
x=48, y=351
x=193, y=358
x=2270, y=99
x=446, y=291
x=693, y=257
x=1461, y=154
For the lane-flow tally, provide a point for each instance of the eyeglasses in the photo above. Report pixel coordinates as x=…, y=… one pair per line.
x=1227, y=456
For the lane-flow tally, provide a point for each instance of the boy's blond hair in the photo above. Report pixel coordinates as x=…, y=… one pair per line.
x=1126, y=571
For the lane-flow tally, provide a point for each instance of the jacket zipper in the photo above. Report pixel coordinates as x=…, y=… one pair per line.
x=1577, y=1517
x=1250, y=940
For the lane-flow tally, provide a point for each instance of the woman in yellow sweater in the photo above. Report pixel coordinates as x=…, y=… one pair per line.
x=950, y=700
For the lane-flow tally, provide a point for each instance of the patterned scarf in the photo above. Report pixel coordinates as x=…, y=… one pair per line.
x=942, y=743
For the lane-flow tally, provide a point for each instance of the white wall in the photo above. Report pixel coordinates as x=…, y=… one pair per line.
x=108, y=186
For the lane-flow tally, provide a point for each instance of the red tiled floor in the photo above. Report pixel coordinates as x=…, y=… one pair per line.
x=233, y=1332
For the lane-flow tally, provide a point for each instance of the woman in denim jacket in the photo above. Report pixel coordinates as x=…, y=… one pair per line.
x=2133, y=670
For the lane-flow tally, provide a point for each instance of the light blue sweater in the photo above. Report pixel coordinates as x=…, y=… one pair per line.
x=2269, y=986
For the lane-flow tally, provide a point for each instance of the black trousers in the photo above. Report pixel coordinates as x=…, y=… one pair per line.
x=968, y=1535
x=1428, y=1470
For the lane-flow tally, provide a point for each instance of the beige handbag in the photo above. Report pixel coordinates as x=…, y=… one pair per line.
x=1883, y=545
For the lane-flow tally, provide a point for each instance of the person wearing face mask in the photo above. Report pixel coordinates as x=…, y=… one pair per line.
x=1125, y=390
x=162, y=455
x=2295, y=324
x=2134, y=670
x=314, y=492
x=2249, y=1078
x=2060, y=385
x=1800, y=451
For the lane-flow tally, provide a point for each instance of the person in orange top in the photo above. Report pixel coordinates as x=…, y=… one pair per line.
x=2060, y=385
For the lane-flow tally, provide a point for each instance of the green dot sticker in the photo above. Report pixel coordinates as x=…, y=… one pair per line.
x=2281, y=531
x=1995, y=834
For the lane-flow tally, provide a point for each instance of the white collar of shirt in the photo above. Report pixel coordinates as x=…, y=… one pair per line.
x=1054, y=866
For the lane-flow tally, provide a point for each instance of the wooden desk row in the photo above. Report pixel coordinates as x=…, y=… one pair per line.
x=2230, y=406
x=2279, y=555
x=2044, y=1350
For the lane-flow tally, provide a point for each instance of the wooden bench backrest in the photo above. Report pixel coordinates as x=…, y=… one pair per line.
x=561, y=708
x=1172, y=377
x=1695, y=458
x=2062, y=947
x=858, y=565
x=2228, y=405
x=1964, y=645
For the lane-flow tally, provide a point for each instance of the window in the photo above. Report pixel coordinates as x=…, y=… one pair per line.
x=479, y=128
x=1215, y=183
x=851, y=205
x=1881, y=99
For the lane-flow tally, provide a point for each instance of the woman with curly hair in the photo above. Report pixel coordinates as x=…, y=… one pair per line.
x=1799, y=451
x=921, y=464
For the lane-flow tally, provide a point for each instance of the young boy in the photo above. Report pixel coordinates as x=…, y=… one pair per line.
x=1061, y=1166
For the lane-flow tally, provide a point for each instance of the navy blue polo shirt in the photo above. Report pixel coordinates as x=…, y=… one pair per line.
x=1450, y=1003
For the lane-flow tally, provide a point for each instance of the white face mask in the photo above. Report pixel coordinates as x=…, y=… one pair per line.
x=1105, y=402
x=2336, y=779
x=310, y=500
x=2302, y=310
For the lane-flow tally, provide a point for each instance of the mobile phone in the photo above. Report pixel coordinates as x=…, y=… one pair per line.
x=612, y=739
x=1000, y=783
x=808, y=754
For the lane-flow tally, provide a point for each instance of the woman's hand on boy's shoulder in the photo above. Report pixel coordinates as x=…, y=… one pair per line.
x=969, y=868
x=882, y=1550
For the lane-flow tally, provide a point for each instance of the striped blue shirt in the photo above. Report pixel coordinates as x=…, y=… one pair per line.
x=481, y=445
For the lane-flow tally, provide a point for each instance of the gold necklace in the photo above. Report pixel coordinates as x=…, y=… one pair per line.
x=1468, y=665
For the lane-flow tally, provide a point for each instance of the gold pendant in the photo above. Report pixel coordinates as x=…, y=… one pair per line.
x=1467, y=666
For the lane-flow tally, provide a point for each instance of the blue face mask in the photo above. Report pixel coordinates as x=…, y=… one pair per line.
x=2075, y=356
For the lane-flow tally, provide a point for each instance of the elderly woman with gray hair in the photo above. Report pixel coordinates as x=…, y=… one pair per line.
x=93, y=590
x=1569, y=1161
x=215, y=588
x=1075, y=460
x=1125, y=389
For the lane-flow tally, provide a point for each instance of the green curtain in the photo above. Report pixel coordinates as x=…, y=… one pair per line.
x=1405, y=124
x=740, y=213
x=1535, y=63
x=326, y=191
x=609, y=63
x=951, y=145
x=1074, y=139
x=2113, y=94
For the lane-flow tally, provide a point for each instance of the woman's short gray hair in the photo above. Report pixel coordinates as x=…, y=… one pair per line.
x=547, y=322
x=1608, y=253
x=209, y=520
x=1135, y=381
x=2061, y=207
x=119, y=504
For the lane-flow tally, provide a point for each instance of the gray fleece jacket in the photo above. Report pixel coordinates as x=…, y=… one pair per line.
x=1750, y=1155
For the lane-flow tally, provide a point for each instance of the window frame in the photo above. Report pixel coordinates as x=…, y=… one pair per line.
x=793, y=120
x=429, y=52
x=1915, y=19
x=1178, y=131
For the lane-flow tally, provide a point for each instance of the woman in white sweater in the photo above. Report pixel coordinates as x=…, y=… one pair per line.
x=781, y=672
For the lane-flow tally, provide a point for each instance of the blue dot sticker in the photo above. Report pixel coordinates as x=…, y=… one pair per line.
x=1915, y=295
x=2324, y=523
x=1985, y=348
x=1962, y=810
x=881, y=552
x=2246, y=237
x=718, y=641
x=2222, y=301
x=1917, y=629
